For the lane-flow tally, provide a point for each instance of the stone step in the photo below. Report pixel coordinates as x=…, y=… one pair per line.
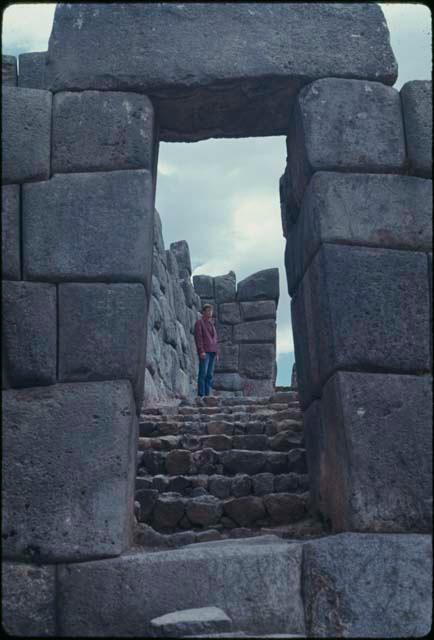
x=209, y=461
x=305, y=529
x=218, y=426
x=225, y=486
x=170, y=512
x=283, y=441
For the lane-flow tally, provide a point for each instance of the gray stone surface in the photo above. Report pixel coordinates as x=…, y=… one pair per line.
x=345, y=125
x=11, y=252
x=257, y=360
x=182, y=254
x=348, y=313
x=191, y=621
x=255, y=331
x=102, y=332
x=103, y=230
x=289, y=209
x=259, y=310
x=68, y=471
x=204, y=510
x=227, y=382
x=231, y=73
x=389, y=211
x=368, y=585
x=9, y=71
x=28, y=600
x=315, y=435
x=224, y=575
x=245, y=511
x=228, y=358
x=204, y=286
x=240, y=461
x=259, y=286
x=416, y=97
x=225, y=288
x=33, y=68
x=26, y=134
x=102, y=131
x=29, y=333
x=229, y=312
x=363, y=414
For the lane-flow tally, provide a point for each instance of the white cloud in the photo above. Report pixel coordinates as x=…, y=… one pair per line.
x=27, y=26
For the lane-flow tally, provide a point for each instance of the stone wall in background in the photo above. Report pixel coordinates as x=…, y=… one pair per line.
x=171, y=357
x=246, y=328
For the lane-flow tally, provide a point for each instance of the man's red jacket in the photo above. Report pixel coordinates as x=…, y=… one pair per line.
x=205, y=335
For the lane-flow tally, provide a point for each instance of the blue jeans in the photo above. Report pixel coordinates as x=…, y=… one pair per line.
x=206, y=371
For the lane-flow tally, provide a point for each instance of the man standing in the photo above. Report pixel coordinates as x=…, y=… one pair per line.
x=205, y=336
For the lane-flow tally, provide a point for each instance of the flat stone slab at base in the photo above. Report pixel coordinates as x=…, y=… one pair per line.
x=368, y=585
x=216, y=71
x=191, y=621
x=155, y=583
x=28, y=600
x=68, y=471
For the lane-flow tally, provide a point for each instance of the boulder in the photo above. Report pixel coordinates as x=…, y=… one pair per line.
x=204, y=511
x=204, y=286
x=26, y=134
x=368, y=585
x=416, y=98
x=11, y=251
x=262, y=285
x=225, y=288
x=246, y=510
x=181, y=252
x=168, y=511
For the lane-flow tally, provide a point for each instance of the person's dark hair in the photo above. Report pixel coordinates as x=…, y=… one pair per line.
x=206, y=306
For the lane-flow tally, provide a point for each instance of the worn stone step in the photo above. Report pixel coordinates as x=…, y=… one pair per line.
x=283, y=441
x=171, y=511
x=231, y=462
x=225, y=486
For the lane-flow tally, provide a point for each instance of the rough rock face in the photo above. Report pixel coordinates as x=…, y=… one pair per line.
x=171, y=358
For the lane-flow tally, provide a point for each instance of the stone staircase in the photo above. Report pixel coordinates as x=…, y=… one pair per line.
x=222, y=467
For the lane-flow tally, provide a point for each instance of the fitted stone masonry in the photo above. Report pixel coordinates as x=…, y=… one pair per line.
x=78, y=213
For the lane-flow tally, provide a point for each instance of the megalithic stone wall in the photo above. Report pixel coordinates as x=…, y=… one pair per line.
x=356, y=201
x=246, y=328
x=78, y=190
x=171, y=357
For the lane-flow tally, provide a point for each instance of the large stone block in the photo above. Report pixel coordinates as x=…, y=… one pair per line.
x=103, y=230
x=181, y=252
x=33, y=71
x=255, y=331
x=228, y=358
x=204, y=286
x=389, y=211
x=11, y=252
x=28, y=600
x=68, y=471
x=9, y=71
x=219, y=73
x=102, y=332
x=257, y=360
x=26, y=134
x=289, y=209
x=225, y=575
x=116, y=131
x=314, y=437
x=345, y=125
x=259, y=310
x=261, y=285
x=29, y=333
x=362, y=415
x=227, y=382
x=416, y=97
x=229, y=312
x=348, y=313
x=225, y=288
x=368, y=586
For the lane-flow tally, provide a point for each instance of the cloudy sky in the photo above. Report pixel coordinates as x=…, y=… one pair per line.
x=222, y=196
